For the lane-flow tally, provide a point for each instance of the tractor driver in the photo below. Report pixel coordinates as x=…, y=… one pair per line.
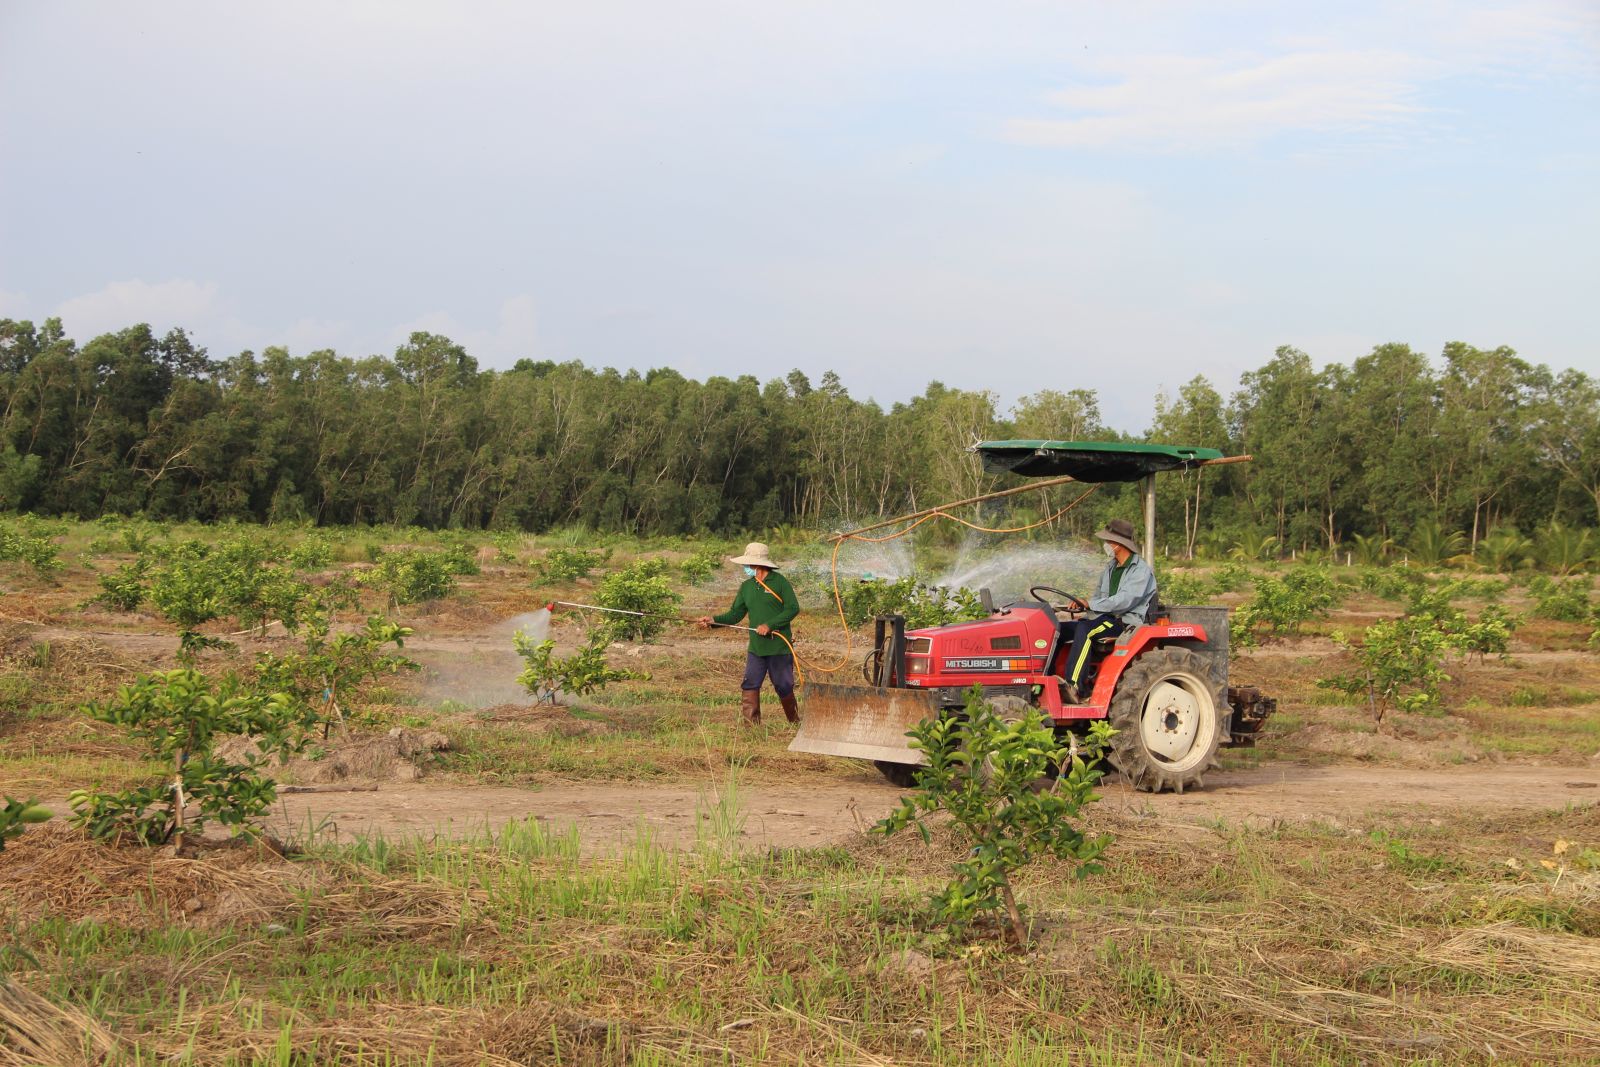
x=1122, y=599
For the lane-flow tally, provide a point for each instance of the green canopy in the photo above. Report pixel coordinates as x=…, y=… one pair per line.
x=1088, y=461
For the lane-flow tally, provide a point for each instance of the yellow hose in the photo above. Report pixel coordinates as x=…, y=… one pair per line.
x=838, y=598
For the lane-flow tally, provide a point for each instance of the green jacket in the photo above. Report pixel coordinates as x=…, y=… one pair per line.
x=775, y=609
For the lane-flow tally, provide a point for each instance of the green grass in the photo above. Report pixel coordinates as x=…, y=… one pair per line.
x=1224, y=945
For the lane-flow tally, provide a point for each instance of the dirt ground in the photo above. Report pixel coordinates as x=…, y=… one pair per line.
x=827, y=812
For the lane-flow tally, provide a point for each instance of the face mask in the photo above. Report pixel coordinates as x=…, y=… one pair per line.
x=749, y=572
x=1111, y=549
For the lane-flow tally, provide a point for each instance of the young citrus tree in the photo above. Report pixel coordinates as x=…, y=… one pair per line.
x=324, y=674
x=642, y=587
x=180, y=714
x=985, y=771
x=15, y=815
x=546, y=675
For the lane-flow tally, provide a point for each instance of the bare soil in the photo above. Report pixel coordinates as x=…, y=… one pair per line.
x=828, y=812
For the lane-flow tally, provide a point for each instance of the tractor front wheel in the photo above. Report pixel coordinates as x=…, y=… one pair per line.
x=1168, y=714
x=903, y=775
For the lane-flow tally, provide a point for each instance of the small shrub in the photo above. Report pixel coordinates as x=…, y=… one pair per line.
x=1230, y=577
x=1566, y=601
x=124, y=588
x=179, y=714
x=328, y=669
x=313, y=553
x=1184, y=589
x=506, y=544
x=1474, y=588
x=277, y=595
x=984, y=773
x=701, y=565
x=460, y=559
x=641, y=586
x=411, y=577
x=922, y=605
x=22, y=542
x=1401, y=664
x=546, y=675
x=1393, y=583
x=1282, y=605
x=570, y=564
x=1490, y=635
x=187, y=591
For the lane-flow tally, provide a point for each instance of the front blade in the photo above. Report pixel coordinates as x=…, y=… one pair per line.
x=862, y=721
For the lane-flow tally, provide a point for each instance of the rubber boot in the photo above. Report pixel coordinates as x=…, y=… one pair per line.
x=750, y=704
x=791, y=707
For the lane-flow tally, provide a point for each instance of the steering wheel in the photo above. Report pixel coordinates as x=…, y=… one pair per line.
x=1077, y=604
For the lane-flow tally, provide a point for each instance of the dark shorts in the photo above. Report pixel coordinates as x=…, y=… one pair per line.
x=779, y=668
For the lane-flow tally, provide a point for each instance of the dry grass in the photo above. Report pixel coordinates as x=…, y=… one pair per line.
x=35, y=1030
x=1198, y=944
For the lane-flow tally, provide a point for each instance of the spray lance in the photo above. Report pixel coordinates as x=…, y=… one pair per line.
x=550, y=607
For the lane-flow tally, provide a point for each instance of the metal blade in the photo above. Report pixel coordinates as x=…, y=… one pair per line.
x=861, y=721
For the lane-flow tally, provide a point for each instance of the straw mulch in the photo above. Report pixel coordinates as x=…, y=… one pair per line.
x=34, y=1030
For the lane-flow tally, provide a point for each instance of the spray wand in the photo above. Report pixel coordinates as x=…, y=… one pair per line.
x=550, y=607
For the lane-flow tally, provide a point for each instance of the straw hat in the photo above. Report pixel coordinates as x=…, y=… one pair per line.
x=756, y=554
x=1119, y=531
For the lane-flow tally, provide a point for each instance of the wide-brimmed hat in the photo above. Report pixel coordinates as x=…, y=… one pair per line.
x=1119, y=531
x=756, y=554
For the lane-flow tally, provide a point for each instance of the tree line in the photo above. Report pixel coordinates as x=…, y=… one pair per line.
x=135, y=422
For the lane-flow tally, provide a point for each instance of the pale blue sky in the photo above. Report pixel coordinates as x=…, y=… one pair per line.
x=1009, y=196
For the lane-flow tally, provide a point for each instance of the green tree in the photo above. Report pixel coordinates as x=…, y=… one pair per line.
x=1195, y=417
x=984, y=771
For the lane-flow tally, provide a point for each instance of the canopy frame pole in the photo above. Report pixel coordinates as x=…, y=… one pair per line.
x=1047, y=483
x=1150, y=479
x=1149, y=517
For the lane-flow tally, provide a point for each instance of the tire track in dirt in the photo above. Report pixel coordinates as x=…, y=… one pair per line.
x=829, y=811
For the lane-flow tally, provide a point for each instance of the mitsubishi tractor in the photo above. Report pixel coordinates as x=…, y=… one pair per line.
x=1163, y=686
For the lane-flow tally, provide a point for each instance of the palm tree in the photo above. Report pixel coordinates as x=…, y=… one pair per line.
x=1504, y=549
x=1371, y=550
x=1562, y=549
x=1431, y=545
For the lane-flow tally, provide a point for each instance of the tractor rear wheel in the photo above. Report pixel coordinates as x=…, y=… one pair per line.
x=1168, y=714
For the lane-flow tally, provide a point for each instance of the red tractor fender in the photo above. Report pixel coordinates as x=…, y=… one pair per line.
x=1117, y=661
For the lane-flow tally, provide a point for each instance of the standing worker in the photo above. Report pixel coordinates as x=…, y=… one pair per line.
x=768, y=598
x=1122, y=599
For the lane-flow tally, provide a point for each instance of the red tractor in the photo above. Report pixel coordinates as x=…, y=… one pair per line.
x=1163, y=685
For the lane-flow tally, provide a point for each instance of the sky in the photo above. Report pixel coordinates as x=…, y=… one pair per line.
x=1005, y=195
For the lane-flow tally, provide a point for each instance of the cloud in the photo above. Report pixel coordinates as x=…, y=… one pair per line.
x=1364, y=74
x=514, y=335
x=180, y=302
x=1183, y=103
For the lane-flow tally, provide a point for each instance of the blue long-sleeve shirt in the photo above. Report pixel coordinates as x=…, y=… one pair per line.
x=1136, y=591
